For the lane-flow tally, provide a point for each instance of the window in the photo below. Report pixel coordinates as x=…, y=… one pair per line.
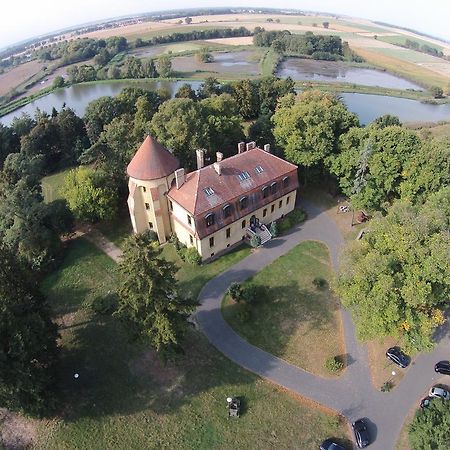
x=287, y=200
x=244, y=176
x=244, y=224
x=208, y=191
x=209, y=219
x=265, y=191
x=147, y=206
x=189, y=219
x=274, y=187
x=259, y=169
x=211, y=241
x=170, y=205
x=150, y=225
x=191, y=239
x=227, y=211
x=243, y=202
x=272, y=208
x=144, y=189
x=264, y=212
x=285, y=182
x=228, y=232
x=280, y=203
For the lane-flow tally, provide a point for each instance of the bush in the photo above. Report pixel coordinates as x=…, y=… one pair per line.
x=295, y=217
x=255, y=240
x=387, y=386
x=334, y=364
x=150, y=235
x=250, y=294
x=105, y=305
x=320, y=283
x=235, y=291
x=274, y=229
x=192, y=256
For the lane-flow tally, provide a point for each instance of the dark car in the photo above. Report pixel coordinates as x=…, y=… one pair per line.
x=425, y=402
x=361, y=433
x=442, y=367
x=397, y=357
x=329, y=444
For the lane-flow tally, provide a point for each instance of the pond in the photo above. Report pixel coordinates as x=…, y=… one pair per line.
x=245, y=62
x=339, y=72
x=366, y=106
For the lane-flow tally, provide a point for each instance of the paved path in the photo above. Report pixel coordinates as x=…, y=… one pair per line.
x=352, y=394
x=100, y=241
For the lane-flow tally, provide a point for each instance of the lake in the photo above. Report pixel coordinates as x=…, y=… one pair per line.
x=338, y=72
x=366, y=106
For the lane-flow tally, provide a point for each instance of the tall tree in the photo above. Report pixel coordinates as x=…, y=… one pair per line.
x=150, y=303
x=28, y=350
x=395, y=281
x=164, y=66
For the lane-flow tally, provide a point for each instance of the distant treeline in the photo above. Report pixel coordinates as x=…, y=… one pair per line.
x=316, y=46
x=424, y=48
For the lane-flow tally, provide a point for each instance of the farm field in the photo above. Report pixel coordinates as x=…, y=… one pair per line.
x=126, y=397
x=18, y=75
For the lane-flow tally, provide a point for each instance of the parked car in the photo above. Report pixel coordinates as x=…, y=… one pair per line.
x=398, y=357
x=439, y=392
x=361, y=433
x=442, y=367
x=329, y=444
x=425, y=402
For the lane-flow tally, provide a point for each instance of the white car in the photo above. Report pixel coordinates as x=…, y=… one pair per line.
x=439, y=392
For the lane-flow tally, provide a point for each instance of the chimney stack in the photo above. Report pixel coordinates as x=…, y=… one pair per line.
x=241, y=147
x=200, y=158
x=219, y=156
x=180, y=178
x=267, y=148
x=217, y=168
x=251, y=145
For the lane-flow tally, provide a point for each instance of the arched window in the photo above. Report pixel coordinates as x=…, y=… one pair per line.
x=209, y=219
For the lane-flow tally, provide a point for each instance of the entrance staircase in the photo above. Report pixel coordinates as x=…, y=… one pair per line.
x=262, y=231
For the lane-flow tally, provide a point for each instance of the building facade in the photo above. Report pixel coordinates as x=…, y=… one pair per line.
x=214, y=207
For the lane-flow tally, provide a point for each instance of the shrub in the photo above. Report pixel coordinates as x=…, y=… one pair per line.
x=235, y=291
x=255, y=240
x=295, y=217
x=192, y=256
x=106, y=304
x=250, y=294
x=387, y=386
x=320, y=283
x=274, y=229
x=334, y=364
x=150, y=235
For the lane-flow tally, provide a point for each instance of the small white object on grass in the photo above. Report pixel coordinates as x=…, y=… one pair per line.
x=393, y=373
x=229, y=399
x=76, y=375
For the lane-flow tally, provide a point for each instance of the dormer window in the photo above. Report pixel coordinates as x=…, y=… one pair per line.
x=285, y=182
x=209, y=219
x=274, y=187
x=244, y=176
x=227, y=211
x=243, y=202
x=259, y=169
x=265, y=191
x=208, y=191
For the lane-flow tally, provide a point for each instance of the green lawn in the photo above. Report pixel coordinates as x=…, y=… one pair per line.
x=293, y=319
x=125, y=398
x=399, y=39
x=52, y=184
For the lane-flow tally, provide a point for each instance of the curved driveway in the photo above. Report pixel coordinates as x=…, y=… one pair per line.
x=352, y=394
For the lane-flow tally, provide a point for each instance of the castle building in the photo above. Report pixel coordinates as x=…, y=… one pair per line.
x=214, y=207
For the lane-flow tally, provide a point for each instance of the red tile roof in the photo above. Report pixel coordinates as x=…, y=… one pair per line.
x=227, y=186
x=152, y=161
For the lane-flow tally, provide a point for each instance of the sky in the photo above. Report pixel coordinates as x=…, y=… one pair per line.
x=23, y=19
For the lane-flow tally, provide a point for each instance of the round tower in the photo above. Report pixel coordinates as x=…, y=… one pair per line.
x=151, y=173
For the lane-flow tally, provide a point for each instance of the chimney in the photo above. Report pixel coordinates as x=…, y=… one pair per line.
x=251, y=145
x=241, y=147
x=200, y=157
x=180, y=177
x=217, y=168
x=219, y=156
x=267, y=148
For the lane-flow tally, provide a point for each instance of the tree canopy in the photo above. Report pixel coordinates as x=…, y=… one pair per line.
x=150, y=303
x=395, y=280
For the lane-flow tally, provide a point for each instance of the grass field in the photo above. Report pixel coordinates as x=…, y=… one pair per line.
x=18, y=75
x=401, y=40
x=293, y=319
x=52, y=184
x=126, y=398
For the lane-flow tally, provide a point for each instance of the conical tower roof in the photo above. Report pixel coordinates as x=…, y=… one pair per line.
x=152, y=161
